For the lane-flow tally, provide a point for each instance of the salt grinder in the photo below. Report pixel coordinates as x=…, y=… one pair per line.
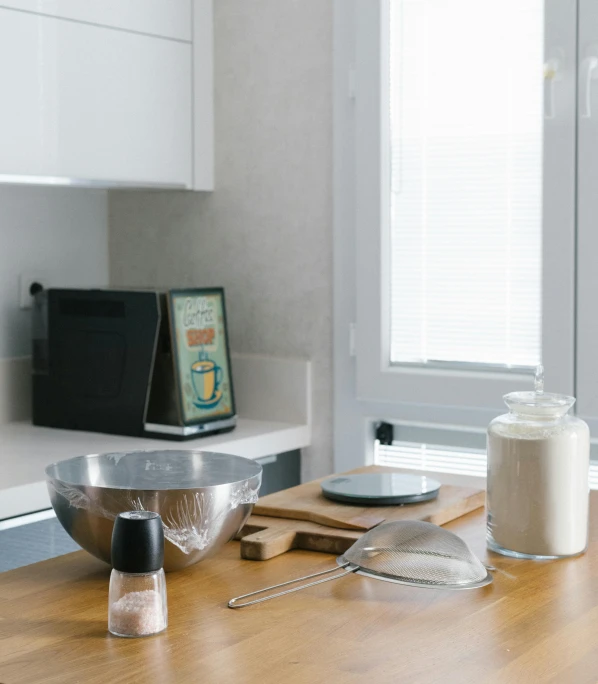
x=137, y=598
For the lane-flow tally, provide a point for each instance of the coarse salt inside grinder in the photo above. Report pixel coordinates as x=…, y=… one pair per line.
x=137, y=599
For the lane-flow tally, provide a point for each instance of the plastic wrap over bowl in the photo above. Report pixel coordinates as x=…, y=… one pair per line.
x=204, y=498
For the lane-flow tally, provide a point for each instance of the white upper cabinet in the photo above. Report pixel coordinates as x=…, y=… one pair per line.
x=168, y=18
x=95, y=95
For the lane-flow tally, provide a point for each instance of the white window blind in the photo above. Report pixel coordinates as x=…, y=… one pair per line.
x=466, y=89
x=432, y=458
x=448, y=459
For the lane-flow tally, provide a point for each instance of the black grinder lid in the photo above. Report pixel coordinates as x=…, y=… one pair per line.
x=138, y=542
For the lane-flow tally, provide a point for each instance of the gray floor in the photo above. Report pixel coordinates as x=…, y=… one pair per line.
x=33, y=542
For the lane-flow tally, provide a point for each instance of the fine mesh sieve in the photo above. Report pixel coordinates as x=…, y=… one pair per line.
x=409, y=552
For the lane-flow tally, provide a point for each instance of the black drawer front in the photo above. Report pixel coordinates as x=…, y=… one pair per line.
x=280, y=472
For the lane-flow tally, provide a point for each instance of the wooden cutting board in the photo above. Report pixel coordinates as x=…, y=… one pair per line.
x=306, y=502
x=265, y=537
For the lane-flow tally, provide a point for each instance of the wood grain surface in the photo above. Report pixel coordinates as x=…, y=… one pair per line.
x=264, y=537
x=536, y=624
x=306, y=502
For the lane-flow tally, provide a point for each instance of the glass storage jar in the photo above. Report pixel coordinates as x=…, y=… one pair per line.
x=538, y=466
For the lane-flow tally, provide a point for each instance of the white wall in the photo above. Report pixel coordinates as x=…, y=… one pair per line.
x=58, y=232
x=265, y=234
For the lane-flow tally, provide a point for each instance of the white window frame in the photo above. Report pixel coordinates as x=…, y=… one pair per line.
x=587, y=230
x=367, y=387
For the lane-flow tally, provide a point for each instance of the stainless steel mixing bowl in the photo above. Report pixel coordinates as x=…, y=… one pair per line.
x=204, y=498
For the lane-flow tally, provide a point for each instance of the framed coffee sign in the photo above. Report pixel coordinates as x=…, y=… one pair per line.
x=201, y=355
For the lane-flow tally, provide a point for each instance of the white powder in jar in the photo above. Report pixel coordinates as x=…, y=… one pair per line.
x=538, y=490
x=138, y=613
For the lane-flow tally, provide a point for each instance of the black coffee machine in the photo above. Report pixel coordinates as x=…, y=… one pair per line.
x=103, y=362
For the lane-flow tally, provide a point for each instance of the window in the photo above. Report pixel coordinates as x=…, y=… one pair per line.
x=456, y=198
x=466, y=136
x=465, y=199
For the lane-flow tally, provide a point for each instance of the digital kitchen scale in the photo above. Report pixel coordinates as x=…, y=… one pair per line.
x=381, y=489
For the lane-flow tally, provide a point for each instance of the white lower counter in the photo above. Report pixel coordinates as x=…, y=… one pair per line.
x=26, y=450
x=273, y=398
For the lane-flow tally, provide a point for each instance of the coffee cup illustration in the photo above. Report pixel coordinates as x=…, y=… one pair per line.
x=206, y=377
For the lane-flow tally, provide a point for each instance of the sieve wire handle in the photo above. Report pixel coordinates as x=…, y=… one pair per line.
x=346, y=570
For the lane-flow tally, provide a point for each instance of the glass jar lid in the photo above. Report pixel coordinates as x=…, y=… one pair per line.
x=539, y=404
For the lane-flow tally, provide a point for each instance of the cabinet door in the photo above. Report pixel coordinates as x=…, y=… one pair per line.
x=91, y=103
x=169, y=18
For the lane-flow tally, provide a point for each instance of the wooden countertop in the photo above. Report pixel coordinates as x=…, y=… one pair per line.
x=538, y=622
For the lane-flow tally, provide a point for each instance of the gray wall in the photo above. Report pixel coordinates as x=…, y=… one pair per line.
x=265, y=234
x=59, y=235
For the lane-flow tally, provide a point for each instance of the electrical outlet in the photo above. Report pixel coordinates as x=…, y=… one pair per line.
x=26, y=280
